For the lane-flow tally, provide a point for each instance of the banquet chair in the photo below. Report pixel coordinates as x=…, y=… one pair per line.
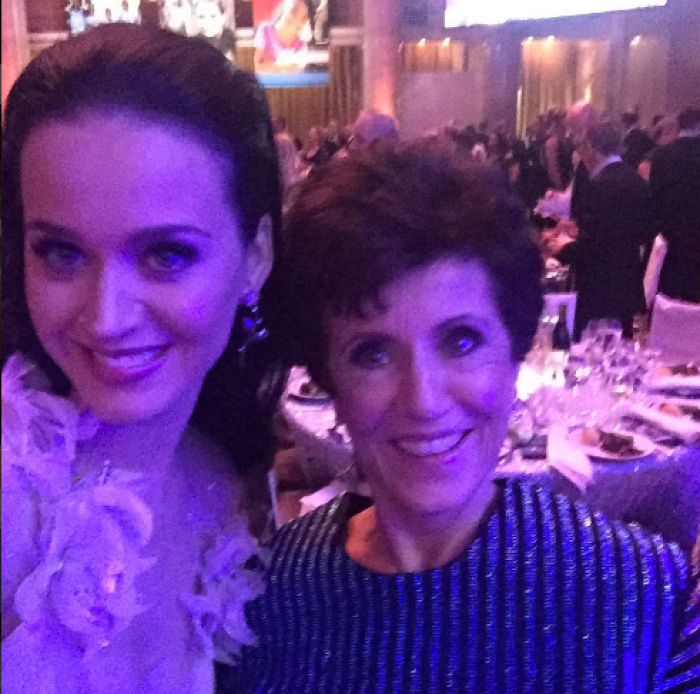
x=551, y=308
x=675, y=330
x=653, y=271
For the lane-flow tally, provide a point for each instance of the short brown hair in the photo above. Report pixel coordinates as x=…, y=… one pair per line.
x=373, y=218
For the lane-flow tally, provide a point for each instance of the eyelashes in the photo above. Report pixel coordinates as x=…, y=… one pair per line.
x=61, y=257
x=456, y=342
x=370, y=354
x=170, y=258
x=460, y=341
x=162, y=260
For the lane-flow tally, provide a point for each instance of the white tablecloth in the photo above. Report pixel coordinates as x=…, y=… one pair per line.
x=660, y=491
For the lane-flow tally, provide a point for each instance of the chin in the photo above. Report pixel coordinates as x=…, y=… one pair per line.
x=127, y=409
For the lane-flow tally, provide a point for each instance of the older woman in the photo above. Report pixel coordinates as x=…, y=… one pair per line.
x=411, y=290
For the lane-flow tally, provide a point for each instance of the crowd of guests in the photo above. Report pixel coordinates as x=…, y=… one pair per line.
x=154, y=298
x=621, y=186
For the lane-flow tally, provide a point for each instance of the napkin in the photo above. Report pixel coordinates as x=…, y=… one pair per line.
x=683, y=427
x=563, y=456
x=555, y=205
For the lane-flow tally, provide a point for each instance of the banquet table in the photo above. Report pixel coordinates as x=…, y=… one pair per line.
x=660, y=491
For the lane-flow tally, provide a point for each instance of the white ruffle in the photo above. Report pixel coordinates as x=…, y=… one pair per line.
x=92, y=535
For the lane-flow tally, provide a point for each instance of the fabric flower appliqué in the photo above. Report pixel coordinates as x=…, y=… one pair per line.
x=91, y=531
x=85, y=582
x=226, y=584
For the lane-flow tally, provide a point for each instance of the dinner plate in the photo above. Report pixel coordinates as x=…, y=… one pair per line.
x=643, y=445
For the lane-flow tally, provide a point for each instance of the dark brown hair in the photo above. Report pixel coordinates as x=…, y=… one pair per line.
x=182, y=83
x=373, y=218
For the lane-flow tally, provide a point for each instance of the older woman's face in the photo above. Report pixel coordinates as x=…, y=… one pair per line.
x=426, y=386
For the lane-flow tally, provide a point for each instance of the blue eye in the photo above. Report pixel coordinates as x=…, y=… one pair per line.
x=461, y=341
x=370, y=355
x=60, y=257
x=170, y=258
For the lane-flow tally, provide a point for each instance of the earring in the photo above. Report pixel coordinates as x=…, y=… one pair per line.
x=253, y=328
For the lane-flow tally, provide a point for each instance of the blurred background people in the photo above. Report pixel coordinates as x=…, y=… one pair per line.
x=675, y=188
x=212, y=26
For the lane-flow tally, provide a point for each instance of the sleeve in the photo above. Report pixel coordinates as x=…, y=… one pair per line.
x=683, y=675
x=264, y=39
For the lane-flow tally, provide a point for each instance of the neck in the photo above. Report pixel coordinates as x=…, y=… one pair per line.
x=146, y=447
x=397, y=539
x=286, y=30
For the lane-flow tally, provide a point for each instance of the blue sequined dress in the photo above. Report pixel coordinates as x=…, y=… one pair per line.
x=550, y=598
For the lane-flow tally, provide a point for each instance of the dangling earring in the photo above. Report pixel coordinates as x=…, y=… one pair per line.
x=253, y=328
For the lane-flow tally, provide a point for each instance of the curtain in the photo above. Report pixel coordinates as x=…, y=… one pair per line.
x=434, y=56
x=304, y=107
x=345, y=88
x=645, y=77
x=557, y=73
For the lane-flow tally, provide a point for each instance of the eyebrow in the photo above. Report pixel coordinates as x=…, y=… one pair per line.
x=66, y=233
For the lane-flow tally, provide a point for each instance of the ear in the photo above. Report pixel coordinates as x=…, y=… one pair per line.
x=260, y=255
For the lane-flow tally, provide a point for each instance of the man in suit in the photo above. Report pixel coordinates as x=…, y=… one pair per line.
x=636, y=143
x=675, y=188
x=579, y=118
x=614, y=223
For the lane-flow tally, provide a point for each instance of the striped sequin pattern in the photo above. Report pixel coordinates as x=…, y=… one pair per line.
x=551, y=598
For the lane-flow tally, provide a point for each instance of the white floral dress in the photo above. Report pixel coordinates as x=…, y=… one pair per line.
x=88, y=552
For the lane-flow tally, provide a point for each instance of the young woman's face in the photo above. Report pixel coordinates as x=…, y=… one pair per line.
x=295, y=10
x=210, y=19
x=134, y=264
x=426, y=387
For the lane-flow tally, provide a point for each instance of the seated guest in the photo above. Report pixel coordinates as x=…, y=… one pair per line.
x=613, y=224
x=314, y=152
x=372, y=127
x=410, y=288
x=675, y=189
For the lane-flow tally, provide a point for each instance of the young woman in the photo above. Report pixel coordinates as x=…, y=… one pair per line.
x=141, y=198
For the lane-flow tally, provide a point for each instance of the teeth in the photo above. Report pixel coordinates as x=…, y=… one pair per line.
x=128, y=361
x=431, y=447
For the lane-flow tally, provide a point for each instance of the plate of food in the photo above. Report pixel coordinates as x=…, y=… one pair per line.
x=307, y=390
x=681, y=380
x=679, y=409
x=684, y=370
x=611, y=445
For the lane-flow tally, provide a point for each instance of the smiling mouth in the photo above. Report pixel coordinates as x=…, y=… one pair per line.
x=127, y=359
x=421, y=447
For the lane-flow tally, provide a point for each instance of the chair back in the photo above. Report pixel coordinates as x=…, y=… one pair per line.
x=653, y=272
x=675, y=330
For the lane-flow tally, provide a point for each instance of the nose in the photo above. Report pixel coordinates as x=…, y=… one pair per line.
x=425, y=390
x=112, y=307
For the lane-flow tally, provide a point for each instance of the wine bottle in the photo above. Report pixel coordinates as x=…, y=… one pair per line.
x=561, y=340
